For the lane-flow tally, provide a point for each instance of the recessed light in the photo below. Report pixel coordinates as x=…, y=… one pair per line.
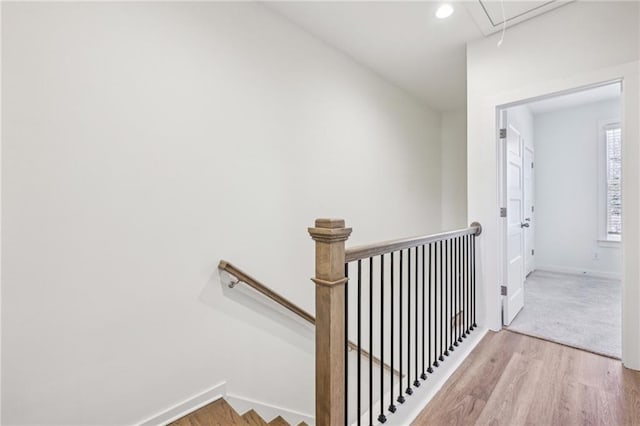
x=444, y=11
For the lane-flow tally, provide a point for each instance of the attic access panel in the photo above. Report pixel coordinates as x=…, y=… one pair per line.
x=488, y=14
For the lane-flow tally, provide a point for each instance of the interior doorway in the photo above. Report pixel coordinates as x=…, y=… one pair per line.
x=560, y=170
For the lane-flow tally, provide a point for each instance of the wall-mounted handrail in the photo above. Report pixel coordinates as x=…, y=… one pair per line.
x=247, y=279
x=371, y=250
x=266, y=291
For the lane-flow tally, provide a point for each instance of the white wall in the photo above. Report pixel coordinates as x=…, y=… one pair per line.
x=576, y=45
x=454, y=169
x=144, y=142
x=567, y=191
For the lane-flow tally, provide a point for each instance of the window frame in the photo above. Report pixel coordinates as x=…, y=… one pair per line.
x=604, y=238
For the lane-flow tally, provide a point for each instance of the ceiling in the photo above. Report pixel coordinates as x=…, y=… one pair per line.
x=598, y=94
x=405, y=43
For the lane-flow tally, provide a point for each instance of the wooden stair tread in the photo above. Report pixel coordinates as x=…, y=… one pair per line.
x=279, y=421
x=218, y=413
x=253, y=419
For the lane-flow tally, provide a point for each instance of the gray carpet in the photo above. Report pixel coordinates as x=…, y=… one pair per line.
x=579, y=311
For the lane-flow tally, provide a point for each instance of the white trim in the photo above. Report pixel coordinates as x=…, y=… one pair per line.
x=187, y=406
x=501, y=190
x=267, y=411
x=614, y=244
x=581, y=272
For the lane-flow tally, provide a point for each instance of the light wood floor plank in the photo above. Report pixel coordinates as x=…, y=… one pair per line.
x=218, y=413
x=514, y=394
x=512, y=379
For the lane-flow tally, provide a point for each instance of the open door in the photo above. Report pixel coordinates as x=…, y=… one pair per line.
x=529, y=210
x=515, y=244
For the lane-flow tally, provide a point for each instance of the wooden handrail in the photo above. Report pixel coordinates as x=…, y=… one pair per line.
x=285, y=303
x=371, y=250
x=266, y=291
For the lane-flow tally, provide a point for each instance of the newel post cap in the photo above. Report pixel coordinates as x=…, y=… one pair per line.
x=329, y=231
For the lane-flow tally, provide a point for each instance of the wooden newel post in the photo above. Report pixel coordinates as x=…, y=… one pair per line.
x=330, y=236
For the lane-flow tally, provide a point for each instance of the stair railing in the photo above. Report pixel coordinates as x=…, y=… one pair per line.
x=417, y=333
x=247, y=279
x=244, y=278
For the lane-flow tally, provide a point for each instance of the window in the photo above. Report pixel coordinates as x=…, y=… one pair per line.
x=613, y=181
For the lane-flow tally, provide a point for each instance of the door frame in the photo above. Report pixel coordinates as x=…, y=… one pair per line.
x=501, y=161
x=503, y=197
x=529, y=233
x=482, y=182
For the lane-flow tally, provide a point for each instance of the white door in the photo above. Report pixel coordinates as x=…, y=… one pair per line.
x=514, y=299
x=529, y=211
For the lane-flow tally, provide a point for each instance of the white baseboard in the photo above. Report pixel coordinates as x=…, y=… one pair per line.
x=187, y=406
x=239, y=403
x=581, y=272
x=267, y=411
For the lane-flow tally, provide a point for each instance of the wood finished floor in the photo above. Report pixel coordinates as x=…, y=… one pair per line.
x=513, y=379
x=220, y=413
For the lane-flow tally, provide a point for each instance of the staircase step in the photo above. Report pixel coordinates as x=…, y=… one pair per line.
x=218, y=413
x=278, y=421
x=252, y=418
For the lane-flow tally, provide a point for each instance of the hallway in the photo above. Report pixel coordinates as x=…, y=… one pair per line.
x=512, y=379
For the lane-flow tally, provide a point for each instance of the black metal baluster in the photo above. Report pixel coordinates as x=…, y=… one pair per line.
x=452, y=312
x=346, y=345
x=441, y=357
x=423, y=376
x=392, y=407
x=467, y=285
x=473, y=275
x=461, y=309
x=400, y=396
x=370, y=340
x=381, y=417
x=462, y=289
x=409, y=391
x=359, y=354
x=456, y=294
x=451, y=296
x=416, y=382
x=430, y=368
x=447, y=314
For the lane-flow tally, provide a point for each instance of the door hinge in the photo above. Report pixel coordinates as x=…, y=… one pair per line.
x=532, y=209
x=533, y=252
x=503, y=212
x=532, y=164
x=503, y=133
x=503, y=290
